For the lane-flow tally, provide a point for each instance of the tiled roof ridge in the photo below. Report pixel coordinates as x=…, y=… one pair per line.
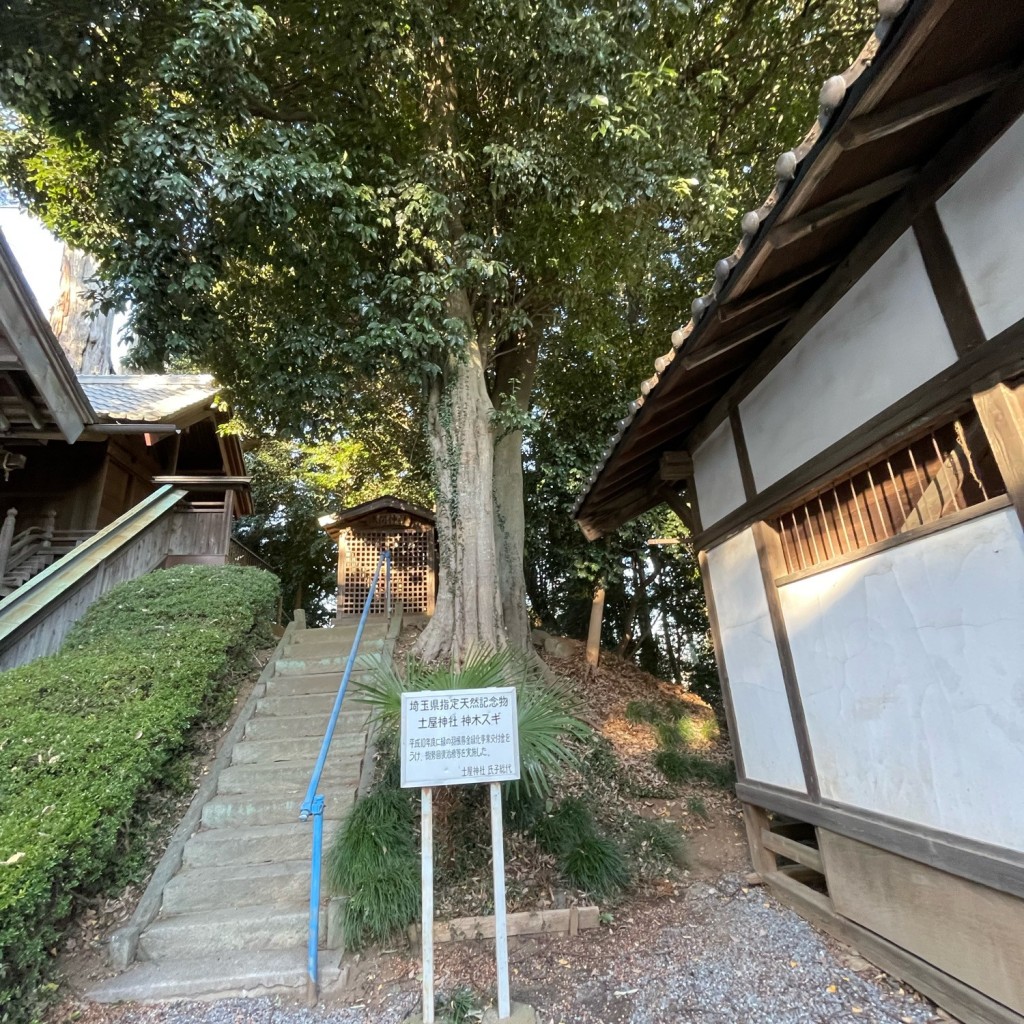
x=830, y=99
x=174, y=378
x=141, y=396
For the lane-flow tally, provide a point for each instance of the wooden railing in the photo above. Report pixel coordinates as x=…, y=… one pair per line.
x=36, y=617
x=239, y=554
x=23, y=555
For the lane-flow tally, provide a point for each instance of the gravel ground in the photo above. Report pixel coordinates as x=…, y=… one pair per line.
x=717, y=953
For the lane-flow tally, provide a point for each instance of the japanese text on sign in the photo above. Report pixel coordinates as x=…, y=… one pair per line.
x=456, y=737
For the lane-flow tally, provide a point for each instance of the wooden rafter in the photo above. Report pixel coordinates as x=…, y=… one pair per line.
x=895, y=118
x=26, y=402
x=828, y=213
x=745, y=303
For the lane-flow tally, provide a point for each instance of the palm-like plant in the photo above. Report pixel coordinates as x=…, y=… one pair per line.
x=546, y=710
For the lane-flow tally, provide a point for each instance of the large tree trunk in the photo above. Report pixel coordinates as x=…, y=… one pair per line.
x=514, y=379
x=84, y=332
x=468, y=612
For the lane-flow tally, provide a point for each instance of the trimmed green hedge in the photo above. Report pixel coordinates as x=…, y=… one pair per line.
x=86, y=733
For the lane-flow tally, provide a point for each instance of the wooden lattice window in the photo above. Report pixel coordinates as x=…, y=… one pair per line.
x=948, y=470
x=412, y=569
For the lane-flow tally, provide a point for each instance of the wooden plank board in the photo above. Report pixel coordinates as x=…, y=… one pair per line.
x=790, y=848
x=991, y=865
x=965, y=929
x=530, y=922
x=1002, y=417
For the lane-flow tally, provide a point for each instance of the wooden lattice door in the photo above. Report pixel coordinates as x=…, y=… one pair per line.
x=412, y=568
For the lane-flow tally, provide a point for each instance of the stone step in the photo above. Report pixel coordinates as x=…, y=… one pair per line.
x=272, y=727
x=242, y=810
x=340, y=637
x=320, y=683
x=221, y=975
x=261, y=927
x=268, y=751
x=287, y=777
x=367, y=659
x=308, y=704
x=197, y=890
x=256, y=844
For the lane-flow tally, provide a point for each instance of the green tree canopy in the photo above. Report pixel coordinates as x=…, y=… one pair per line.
x=304, y=194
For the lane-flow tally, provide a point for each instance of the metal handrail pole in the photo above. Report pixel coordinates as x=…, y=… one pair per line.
x=313, y=942
x=313, y=805
x=387, y=582
x=325, y=746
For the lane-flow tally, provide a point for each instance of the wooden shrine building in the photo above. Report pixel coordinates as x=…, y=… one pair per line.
x=130, y=465
x=363, y=531
x=841, y=425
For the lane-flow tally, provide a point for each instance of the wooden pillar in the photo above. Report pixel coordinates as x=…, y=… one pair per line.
x=1002, y=417
x=49, y=521
x=755, y=819
x=6, y=539
x=594, y=635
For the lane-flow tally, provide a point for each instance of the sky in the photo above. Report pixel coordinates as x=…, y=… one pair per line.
x=39, y=255
x=37, y=252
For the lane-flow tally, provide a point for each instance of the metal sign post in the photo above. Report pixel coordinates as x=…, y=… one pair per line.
x=457, y=738
x=427, y=882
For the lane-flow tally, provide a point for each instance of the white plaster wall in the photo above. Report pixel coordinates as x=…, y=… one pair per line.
x=763, y=721
x=716, y=476
x=911, y=670
x=884, y=338
x=982, y=214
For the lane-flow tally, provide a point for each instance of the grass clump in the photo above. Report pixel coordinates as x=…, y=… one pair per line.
x=588, y=860
x=696, y=806
x=88, y=733
x=648, y=712
x=679, y=767
x=457, y=1007
x=698, y=732
x=595, y=864
x=658, y=842
x=375, y=861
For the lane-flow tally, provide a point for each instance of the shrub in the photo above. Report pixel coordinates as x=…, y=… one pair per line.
x=678, y=767
x=374, y=859
x=595, y=864
x=90, y=731
x=570, y=821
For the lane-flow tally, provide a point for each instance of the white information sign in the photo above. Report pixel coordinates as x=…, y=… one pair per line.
x=457, y=737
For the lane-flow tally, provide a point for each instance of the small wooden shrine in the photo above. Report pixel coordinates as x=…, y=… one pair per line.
x=362, y=532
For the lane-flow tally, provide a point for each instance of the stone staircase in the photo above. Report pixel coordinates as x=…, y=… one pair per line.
x=234, y=917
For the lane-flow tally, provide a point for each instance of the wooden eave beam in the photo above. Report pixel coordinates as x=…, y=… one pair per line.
x=38, y=352
x=745, y=303
x=889, y=120
x=135, y=428
x=633, y=504
x=206, y=483
x=26, y=402
x=675, y=466
x=674, y=500
x=807, y=223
